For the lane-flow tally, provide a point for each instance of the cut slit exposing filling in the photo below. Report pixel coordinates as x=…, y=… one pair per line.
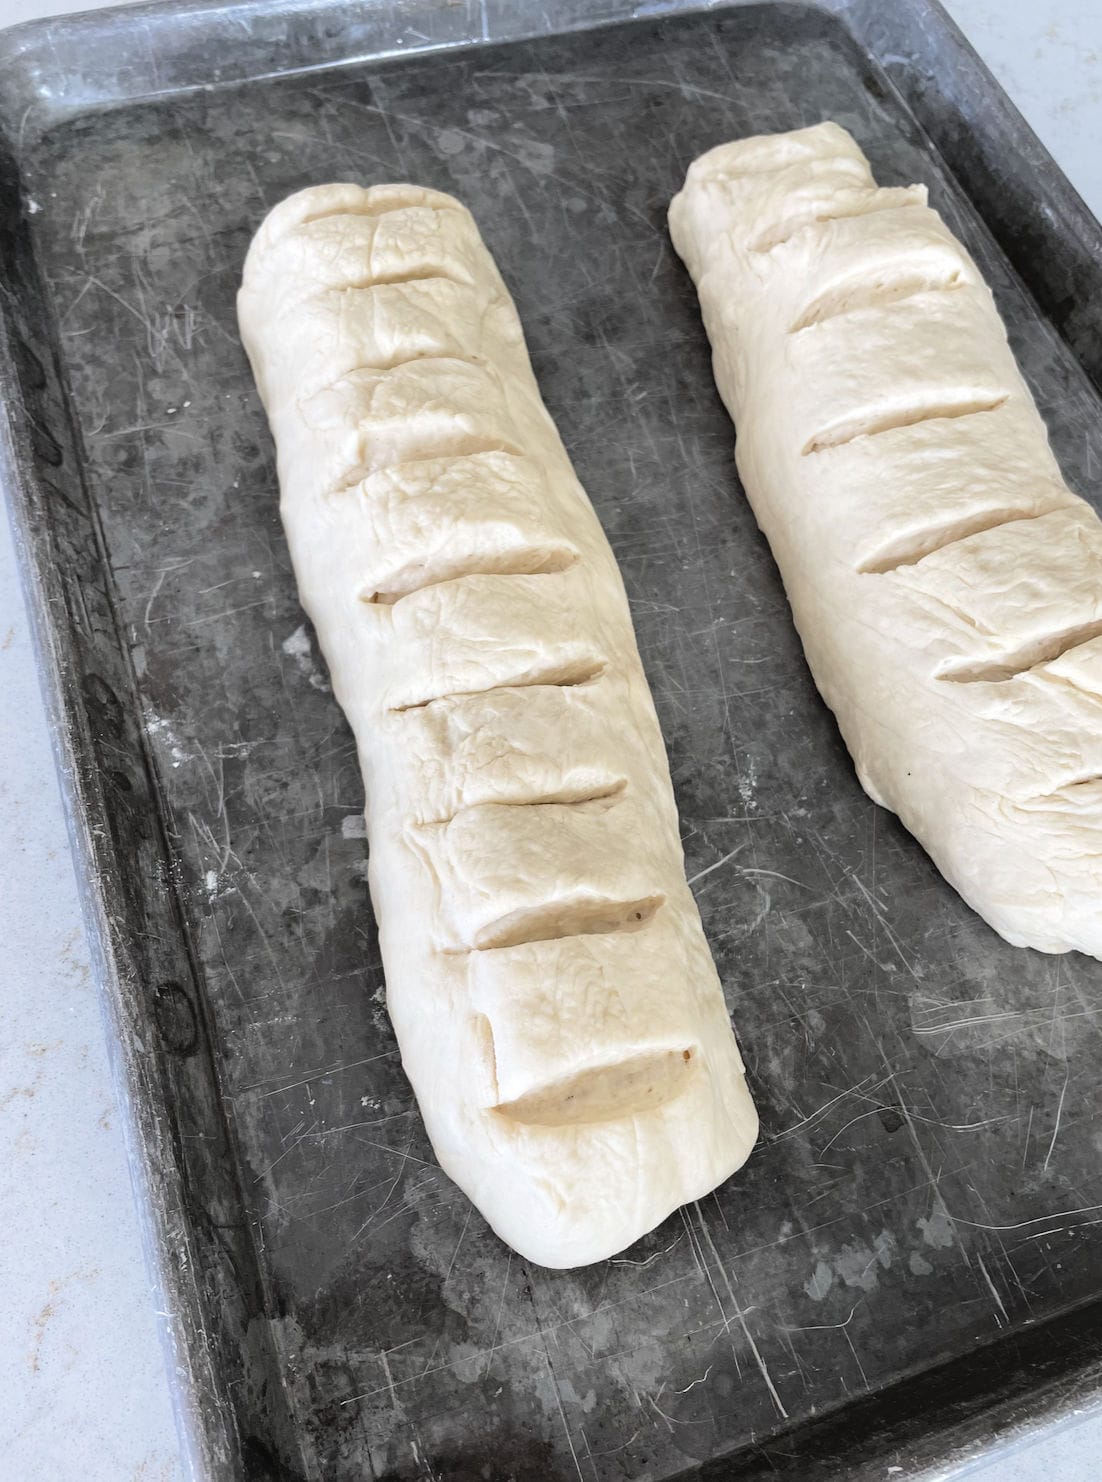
x=917, y=546
x=870, y=422
x=874, y=292
x=564, y=676
x=1038, y=651
x=566, y=918
x=454, y=568
x=623, y=1088
x=835, y=207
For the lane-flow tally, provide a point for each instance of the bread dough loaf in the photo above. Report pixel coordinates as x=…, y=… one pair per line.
x=946, y=584
x=557, y=1008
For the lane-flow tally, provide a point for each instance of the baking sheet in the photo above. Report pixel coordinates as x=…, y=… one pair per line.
x=928, y=1176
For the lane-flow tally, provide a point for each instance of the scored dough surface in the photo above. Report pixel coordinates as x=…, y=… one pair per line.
x=556, y=1005
x=945, y=582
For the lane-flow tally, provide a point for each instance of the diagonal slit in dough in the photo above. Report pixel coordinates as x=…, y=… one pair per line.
x=415, y=577
x=388, y=278
x=484, y=1042
x=917, y=545
x=869, y=423
x=566, y=918
x=864, y=204
x=398, y=360
x=603, y=792
x=451, y=442
x=382, y=205
x=1077, y=795
x=1031, y=656
x=563, y=676
x=874, y=293
x=602, y=1093
x=600, y=794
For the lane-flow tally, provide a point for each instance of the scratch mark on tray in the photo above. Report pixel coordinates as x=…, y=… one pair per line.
x=1028, y=1131
x=856, y=1360
x=823, y=1327
x=776, y=875
x=558, y=1396
x=652, y=1401
x=916, y=1141
x=154, y=592
x=301, y=1138
x=887, y=1106
x=355, y=1126
x=497, y=1321
x=693, y=1384
x=316, y=1074
x=878, y=912
x=406, y=1156
x=649, y=1261
x=1059, y=1115
x=612, y=1450
x=394, y=1400
x=867, y=1083
x=969, y=1022
x=700, y=874
x=1005, y=1318
x=759, y=1358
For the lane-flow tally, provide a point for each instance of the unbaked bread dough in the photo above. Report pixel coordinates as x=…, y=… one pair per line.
x=945, y=582
x=557, y=1008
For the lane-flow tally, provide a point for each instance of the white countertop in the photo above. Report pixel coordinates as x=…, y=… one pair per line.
x=85, y=1394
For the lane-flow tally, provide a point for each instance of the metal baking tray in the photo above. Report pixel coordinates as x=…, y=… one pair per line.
x=911, y=1263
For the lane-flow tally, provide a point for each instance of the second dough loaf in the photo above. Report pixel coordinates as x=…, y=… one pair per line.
x=946, y=583
x=556, y=1004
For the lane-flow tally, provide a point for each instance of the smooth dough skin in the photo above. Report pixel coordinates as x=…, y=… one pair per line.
x=946, y=584
x=556, y=1004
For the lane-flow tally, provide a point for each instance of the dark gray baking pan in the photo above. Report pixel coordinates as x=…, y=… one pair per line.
x=911, y=1262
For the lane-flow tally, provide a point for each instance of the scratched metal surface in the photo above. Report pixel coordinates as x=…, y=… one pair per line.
x=928, y=1175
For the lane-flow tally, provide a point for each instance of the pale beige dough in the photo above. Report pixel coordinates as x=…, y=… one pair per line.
x=557, y=1008
x=946, y=583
